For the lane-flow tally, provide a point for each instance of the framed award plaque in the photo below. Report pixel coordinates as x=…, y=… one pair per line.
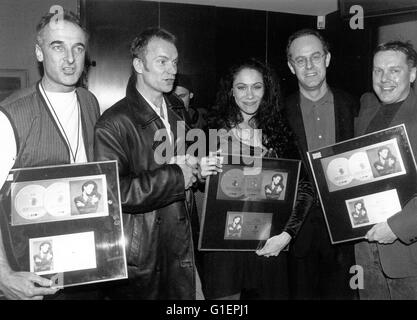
x=247, y=203
x=64, y=222
x=364, y=181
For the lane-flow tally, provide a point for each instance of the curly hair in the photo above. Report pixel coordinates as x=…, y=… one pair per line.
x=226, y=113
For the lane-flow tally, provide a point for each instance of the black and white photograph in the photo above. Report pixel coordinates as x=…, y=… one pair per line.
x=234, y=226
x=63, y=253
x=118, y=121
x=385, y=160
x=87, y=196
x=248, y=225
x=275, y=189
x=43, y=259
x=373, y=208
x=358, y=213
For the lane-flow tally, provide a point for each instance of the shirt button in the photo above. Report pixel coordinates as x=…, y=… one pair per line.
x=320, y=136
x=318, y=118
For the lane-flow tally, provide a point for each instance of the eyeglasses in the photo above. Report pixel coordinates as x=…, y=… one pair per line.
x=301, y=62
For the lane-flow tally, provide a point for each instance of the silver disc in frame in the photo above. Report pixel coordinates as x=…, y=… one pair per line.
x=29, y=202
x=57, y=199
x=359, y=166
x=233, y=183
x=338, y=172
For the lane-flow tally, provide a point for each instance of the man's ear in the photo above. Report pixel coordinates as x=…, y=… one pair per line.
x=328, y=57
x=291, y=67
x=39, y=53
x=138, y=65
x=191, y=95
x=413, y=74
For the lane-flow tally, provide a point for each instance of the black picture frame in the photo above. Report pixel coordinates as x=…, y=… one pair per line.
x=48, y=233
x=241, y=191
x=363, y=181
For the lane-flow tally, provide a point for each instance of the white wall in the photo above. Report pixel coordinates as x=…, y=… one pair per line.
x=18, y=20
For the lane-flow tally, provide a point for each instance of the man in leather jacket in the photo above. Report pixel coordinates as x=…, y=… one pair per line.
x=156, y=217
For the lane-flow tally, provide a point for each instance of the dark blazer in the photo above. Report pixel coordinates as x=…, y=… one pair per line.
x=344, y=109
x=398, y=259
x=159, y=246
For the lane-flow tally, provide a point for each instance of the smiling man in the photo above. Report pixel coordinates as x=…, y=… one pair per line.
x=319, y=116
x=156, y=216
x=49, y=123
x=388, y=257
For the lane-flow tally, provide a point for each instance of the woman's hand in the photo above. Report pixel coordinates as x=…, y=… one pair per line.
x=274, y=245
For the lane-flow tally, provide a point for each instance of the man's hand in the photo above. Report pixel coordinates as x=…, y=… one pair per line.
x=274, y=245
x=21, y=286
x=381, y=233
x=188, y=165
x=210, y=165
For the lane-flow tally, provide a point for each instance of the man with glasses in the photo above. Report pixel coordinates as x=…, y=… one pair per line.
x=319, y=116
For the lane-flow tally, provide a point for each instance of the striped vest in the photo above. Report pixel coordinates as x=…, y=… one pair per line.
x=39, y=140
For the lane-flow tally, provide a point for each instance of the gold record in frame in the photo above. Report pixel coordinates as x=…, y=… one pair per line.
x=233, y=183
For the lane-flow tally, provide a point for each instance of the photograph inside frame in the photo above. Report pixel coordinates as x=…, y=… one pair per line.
x=364, y=181
x=247, y=205
x=66, y=223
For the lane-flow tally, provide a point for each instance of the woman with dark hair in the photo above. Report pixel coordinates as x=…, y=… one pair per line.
x=275, y=188
x=88, y=201
x=386, y=163
x=248, y=107
x=235, y=228
x=43, y=260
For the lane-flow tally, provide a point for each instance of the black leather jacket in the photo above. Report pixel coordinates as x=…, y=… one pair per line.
x=156, y=219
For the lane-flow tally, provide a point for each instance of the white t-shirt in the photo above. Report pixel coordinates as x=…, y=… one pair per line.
x=65, y=107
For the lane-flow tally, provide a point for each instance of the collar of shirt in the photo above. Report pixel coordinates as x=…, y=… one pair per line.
x=164, y=111
x=326, y=99
x=319, y=120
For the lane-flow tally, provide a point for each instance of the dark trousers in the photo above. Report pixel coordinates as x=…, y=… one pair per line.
x=377, y=286
x=319, y=270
